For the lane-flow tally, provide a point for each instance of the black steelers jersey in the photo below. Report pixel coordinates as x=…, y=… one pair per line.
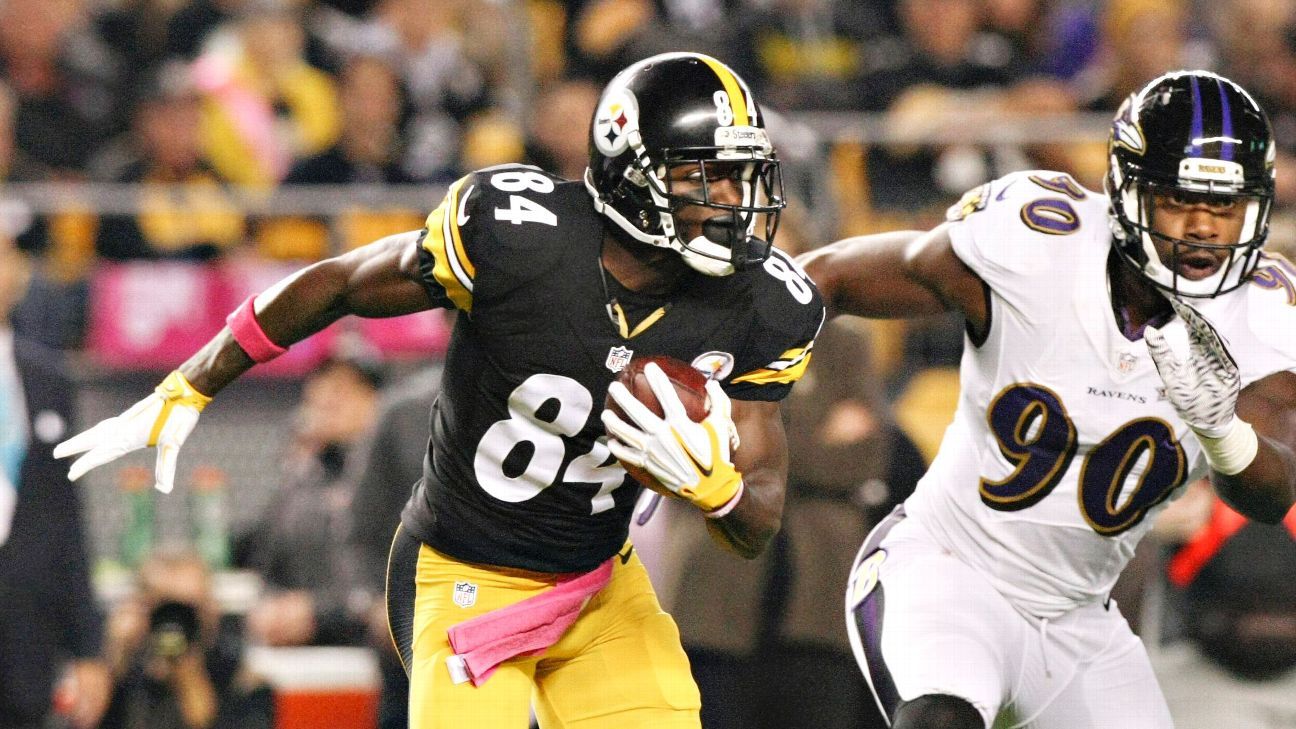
x=518, y=472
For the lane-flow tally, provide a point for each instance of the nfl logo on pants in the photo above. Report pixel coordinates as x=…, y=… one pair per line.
x=465, y=594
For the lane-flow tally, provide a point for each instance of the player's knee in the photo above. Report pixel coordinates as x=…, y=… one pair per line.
x=937, y=711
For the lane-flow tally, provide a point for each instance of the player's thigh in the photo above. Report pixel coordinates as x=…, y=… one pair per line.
x=922, y=622
x=1117, y=690
x=421, y=590
x=621, y=666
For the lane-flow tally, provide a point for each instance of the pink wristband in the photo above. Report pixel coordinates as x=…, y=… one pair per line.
x=729, y=505
x=249, y=334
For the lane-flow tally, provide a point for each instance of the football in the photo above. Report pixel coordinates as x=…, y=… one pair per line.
x=690, y=386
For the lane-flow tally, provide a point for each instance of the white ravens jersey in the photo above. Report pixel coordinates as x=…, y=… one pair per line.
x=1063, y=448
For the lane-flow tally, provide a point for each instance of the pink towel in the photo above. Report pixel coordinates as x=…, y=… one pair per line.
x=526, y=628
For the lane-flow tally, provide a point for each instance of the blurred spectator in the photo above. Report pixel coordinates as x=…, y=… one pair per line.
x=15, y=164
x=47, y=608
x=368, y=153
x=1053, y=39
x=193, y=21
x=391, y=463
x=942, y=47
x=369, y=150
x=769, y=650
x=139, y=33
x=185, y=210
x=53, y=310
x=943, y=72
x=1142, y=39
x=560, y=110
x=444, y=80
x=190, y=24
x=177, y=664
x=299, y=543
x=65, y=79
x=17, y=221
x=812, y=54
x=264, y=106
x=1238, y=667
x=607, y=35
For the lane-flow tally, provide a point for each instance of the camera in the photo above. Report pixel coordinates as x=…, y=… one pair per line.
x=173, y=627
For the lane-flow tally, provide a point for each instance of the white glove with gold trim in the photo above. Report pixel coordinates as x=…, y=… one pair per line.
x=690, y=459
x=163, y=419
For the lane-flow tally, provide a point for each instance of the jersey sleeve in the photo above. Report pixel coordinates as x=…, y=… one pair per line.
x=1008, y=231
x=451, y=245
x=1264, y=342
x=789, y=313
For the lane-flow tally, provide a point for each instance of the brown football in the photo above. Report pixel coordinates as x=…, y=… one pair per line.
x=690, y=386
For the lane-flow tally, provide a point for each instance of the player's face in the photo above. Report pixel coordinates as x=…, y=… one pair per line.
x=720, y=183
x=1213, y=222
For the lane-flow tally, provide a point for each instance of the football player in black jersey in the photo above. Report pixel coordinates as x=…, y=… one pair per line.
x=511, y=574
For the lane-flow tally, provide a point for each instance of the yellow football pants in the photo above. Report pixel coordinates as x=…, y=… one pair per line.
x=620, y=665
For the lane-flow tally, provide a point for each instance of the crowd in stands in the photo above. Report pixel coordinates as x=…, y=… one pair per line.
x=205, y=107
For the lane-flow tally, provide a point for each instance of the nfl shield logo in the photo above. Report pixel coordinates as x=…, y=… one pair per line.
x=465, y=594
x=618, y=358
x=1126, y=362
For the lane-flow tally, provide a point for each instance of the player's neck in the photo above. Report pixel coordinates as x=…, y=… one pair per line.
x=1135, y=301
x=642, y=268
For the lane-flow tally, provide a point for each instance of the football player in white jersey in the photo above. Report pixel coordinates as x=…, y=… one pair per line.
x=1118, y=346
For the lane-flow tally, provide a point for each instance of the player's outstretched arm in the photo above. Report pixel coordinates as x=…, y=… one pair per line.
x=896, y=275
x=381, y=279
x=865, y=276
x=377, y=280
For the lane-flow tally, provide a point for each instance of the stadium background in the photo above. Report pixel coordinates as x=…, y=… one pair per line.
x=163, y=158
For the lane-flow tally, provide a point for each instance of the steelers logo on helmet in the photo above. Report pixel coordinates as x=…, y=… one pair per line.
x=686, y=111
x=616, y=118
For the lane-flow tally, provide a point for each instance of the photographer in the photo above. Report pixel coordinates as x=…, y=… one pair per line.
x=176, y=663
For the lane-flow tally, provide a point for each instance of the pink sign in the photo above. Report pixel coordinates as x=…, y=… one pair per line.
x=153, y=316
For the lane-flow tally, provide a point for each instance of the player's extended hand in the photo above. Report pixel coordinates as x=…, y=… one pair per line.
x=690, y=459
x=163, y=419
x=1203, y=383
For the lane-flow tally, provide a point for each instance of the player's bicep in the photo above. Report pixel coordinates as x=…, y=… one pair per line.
x=931, y=262
x=865, y=276
x=384, y=278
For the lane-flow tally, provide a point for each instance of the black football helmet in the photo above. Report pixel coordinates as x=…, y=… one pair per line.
x=684, y=108
x=1193, y=132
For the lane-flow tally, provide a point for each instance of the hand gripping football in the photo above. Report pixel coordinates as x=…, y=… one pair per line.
x=689, y=384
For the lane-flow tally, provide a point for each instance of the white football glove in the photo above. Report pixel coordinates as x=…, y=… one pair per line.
x=1203, y=385
x=163, y=419
x=690, y=459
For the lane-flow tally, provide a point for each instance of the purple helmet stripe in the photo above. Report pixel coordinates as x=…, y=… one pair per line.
x=1226, y=146
x=1196, y=148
